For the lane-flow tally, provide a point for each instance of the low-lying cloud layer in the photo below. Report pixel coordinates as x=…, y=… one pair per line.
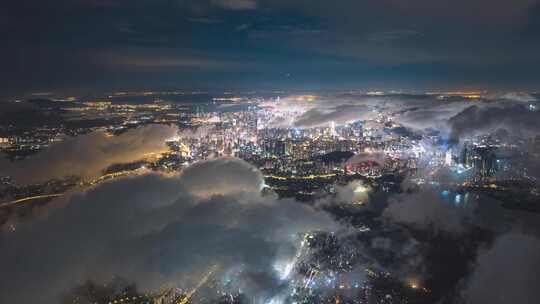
x=372, y=156
x=88, y=155
x=154, y=230
x=516, y=119
x=426, y=210
x=453, y=117
x=339, y=115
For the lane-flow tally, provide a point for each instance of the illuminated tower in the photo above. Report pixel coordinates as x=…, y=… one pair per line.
x=333, y=129
x=448, y=158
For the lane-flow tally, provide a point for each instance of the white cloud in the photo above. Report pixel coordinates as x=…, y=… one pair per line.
x=155, y=230
x=87, y=155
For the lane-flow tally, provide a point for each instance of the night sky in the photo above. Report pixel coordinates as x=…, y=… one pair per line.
x=98, y=45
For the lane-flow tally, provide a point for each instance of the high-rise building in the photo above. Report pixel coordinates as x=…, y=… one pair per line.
x=448, y=157
x=333, y=129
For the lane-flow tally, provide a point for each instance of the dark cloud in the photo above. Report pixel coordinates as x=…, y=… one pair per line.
x=517, y=119
x=427, y=211
x=154, y=230
x=146, y=58
x=432, y=114
x=393, y=35
x=356, y=43
x=236, y=4
x=506, y=272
